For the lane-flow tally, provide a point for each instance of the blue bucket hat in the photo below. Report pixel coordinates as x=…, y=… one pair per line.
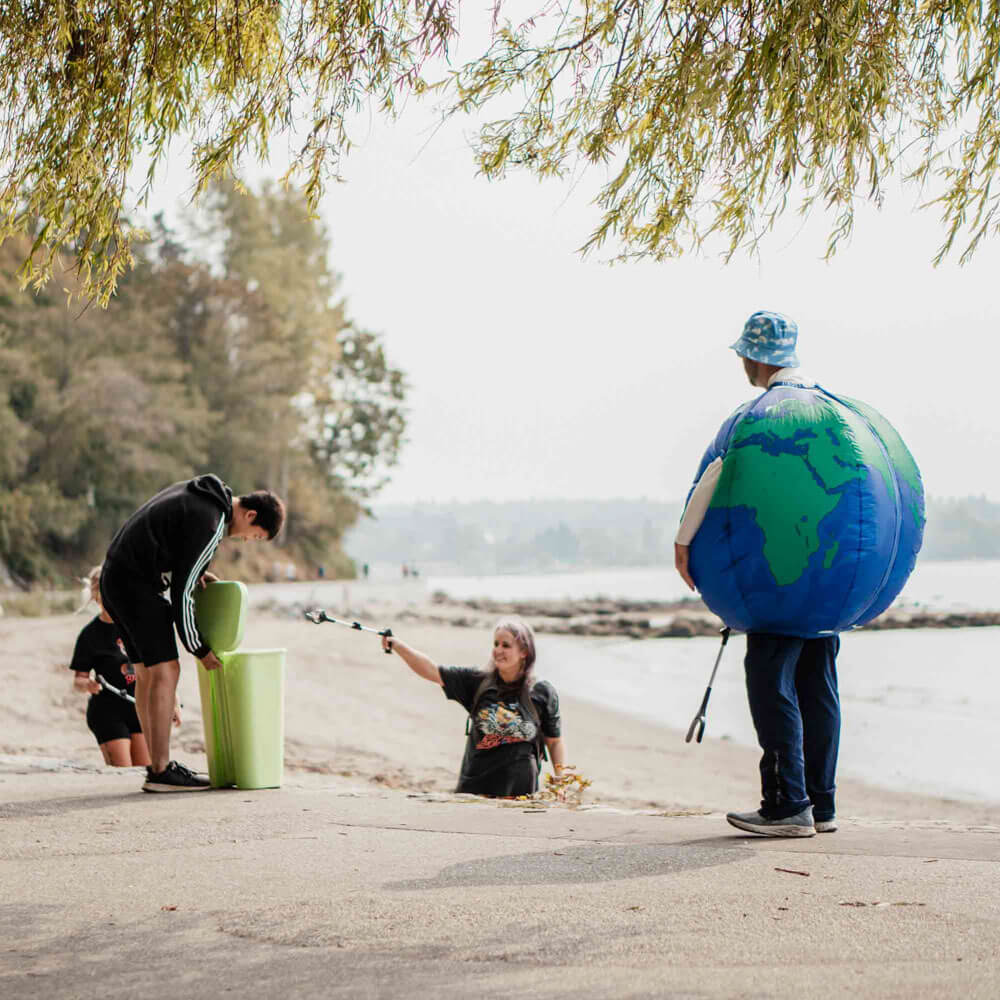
x=769, y=338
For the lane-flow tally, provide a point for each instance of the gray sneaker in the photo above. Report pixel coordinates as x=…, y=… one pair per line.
x=799, y=825
x=826, y=825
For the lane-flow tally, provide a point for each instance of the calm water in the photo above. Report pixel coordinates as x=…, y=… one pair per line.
x=920, y=708
x=966, y=585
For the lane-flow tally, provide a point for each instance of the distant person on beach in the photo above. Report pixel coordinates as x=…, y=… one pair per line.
x=512, y=718
x=175, y=535
x=791, y=680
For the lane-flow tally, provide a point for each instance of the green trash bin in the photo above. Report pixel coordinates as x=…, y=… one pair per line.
x=243, y=702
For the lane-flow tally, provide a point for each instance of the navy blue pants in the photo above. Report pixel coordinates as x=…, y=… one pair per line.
x=792, y=688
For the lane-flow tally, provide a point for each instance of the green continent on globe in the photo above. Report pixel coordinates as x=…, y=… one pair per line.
x=789, y=466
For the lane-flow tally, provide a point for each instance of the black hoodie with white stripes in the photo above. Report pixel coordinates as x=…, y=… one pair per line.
x=176, y=533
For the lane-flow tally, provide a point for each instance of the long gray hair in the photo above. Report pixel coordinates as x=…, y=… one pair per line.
x=525, y=638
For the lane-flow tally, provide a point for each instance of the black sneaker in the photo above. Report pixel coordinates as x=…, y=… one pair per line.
x=175, y=778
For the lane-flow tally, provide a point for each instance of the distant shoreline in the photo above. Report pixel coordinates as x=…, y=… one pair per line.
x=607, y=617
x=655, y=619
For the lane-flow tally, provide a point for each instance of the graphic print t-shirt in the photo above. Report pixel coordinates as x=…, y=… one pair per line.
x=502, y=739
x=99, y=648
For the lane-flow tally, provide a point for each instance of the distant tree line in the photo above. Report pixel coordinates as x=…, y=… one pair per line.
x=539, y=536
x=529, y=536
x=237, y=360
x=966, y=528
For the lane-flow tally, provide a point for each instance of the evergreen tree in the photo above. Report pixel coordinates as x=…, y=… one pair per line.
x=243, y=368
x=312, y=405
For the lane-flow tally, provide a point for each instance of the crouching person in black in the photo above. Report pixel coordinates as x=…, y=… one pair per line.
x=111, y=718
x=513, y=718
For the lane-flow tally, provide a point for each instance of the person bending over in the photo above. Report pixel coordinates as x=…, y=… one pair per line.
x=512, y=717
x=173, y=537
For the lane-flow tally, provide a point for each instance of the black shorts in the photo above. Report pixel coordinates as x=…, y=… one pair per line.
x=144, y=617
x=112, y=718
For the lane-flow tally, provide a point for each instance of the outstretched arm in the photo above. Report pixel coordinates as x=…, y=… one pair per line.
x=419, y=663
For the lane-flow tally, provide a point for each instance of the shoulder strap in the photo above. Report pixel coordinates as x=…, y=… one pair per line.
x=484, y=685
x=470, y=729
x=529, y=706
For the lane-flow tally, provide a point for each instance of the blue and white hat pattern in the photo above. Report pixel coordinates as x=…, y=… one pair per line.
x=770, y=338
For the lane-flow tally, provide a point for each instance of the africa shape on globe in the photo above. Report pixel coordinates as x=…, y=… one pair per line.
x=816, y=519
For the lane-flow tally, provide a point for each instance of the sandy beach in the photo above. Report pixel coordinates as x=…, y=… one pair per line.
x=363, y=876
x=351, y=711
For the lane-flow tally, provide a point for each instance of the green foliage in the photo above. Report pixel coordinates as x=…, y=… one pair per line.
x=355, y=411
x=88, y=85
x=34, y=520
x=188, y=370
x=710, y=117
x=286, y=366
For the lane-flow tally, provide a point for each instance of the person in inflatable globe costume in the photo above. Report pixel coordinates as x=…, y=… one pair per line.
x=805, y=520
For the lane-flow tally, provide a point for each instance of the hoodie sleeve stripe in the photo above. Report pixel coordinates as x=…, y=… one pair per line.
x=192, y=637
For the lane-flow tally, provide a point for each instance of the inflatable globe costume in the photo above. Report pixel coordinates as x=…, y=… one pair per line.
x=812, y=527
x=816, y=518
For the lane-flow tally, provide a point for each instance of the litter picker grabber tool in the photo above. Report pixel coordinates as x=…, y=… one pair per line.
x=111, y=689
x=318, y=616
x=699, y=720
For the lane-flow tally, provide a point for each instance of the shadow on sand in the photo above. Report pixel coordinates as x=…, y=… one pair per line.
x=586, y=863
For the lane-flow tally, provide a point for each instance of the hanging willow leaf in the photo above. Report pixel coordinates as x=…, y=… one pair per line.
x=710, y=119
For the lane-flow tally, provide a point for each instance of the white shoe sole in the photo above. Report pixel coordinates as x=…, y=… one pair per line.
x=826, y=827
x=773, y=830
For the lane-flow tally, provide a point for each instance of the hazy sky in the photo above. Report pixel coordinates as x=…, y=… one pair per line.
x=535, y=374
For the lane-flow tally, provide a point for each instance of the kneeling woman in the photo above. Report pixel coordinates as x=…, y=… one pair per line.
x=512, y=717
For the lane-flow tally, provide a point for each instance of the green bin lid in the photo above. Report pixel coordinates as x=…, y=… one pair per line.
x=220, y=610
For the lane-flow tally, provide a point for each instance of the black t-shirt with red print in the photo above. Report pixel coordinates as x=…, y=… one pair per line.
x=99, y=648
x=500, y=759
